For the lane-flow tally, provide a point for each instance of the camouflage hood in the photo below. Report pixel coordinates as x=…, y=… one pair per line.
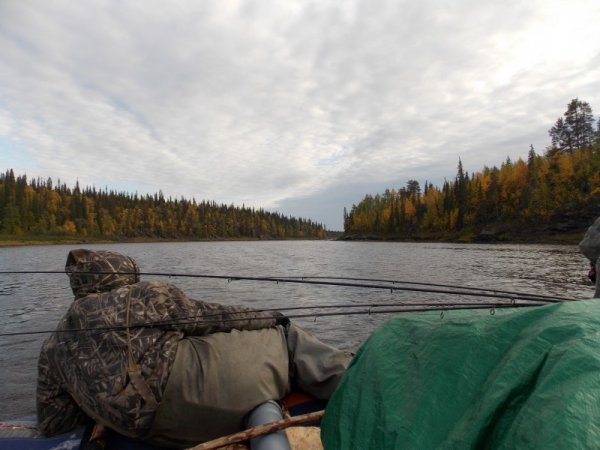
x=96, y=271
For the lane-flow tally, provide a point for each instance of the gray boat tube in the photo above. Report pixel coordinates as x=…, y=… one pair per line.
x=265, y=413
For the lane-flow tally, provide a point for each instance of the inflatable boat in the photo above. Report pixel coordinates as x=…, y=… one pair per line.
x=22, y=434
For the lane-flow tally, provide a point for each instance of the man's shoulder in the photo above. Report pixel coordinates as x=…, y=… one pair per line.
x=153, y=285
x=154, y=289
x=115, y=301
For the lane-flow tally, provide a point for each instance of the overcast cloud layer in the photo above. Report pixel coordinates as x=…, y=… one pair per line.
x=297, y=106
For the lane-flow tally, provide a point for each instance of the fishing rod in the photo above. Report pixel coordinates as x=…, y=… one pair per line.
x=211, y=319
x=326, y=281
x=419, y=283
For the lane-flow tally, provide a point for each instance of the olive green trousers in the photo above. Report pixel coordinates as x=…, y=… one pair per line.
x=218, y=379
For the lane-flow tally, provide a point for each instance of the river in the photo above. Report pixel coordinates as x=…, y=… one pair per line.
x=35, y=302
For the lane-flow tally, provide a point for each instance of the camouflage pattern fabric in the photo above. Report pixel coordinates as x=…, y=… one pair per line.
x=93, y=271
x=83, y=366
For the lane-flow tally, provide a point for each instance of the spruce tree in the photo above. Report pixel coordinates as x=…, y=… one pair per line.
x=576, y=130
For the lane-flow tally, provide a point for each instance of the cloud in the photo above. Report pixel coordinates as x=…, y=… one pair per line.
x=287, y=104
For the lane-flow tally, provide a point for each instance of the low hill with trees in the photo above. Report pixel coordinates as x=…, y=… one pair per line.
x=38, y=209
x=546, y=197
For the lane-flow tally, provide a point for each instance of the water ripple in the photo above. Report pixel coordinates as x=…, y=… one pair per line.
x=37, y=302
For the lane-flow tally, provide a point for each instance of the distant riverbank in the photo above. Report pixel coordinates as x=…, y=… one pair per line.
x=14, y=241
x=569, y=238
x=566, y=231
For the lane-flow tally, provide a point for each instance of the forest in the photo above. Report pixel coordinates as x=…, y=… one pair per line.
x=546, y=197
x=543, y=198
x=39, y=210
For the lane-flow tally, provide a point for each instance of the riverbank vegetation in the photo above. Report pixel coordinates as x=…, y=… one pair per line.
x=550, y=197
x=38, y=211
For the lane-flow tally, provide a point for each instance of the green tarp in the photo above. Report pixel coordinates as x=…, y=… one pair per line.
x=520, y=378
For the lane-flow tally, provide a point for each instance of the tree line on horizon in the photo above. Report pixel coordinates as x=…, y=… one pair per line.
x=563, y=185
x=39, y=208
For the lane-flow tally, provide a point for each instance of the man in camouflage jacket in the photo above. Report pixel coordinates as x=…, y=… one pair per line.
x=148, y=362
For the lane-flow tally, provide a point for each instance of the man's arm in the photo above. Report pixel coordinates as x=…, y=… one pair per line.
x=167, y=305
x=57, y=412
x=214, y=317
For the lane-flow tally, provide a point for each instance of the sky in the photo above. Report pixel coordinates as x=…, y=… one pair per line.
x=300, y=107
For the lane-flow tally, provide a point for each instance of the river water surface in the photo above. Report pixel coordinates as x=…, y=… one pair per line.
x=34, y=303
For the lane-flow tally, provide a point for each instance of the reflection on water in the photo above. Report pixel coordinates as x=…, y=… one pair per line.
x=35, y=303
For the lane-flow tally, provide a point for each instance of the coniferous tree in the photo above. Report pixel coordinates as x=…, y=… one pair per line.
x=460, y=195
x=576, y=130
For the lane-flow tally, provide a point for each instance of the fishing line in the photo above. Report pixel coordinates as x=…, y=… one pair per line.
x=457, y=290
x=392, y=308
x=417, y=283
x=216, y=317
x=396, y=307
